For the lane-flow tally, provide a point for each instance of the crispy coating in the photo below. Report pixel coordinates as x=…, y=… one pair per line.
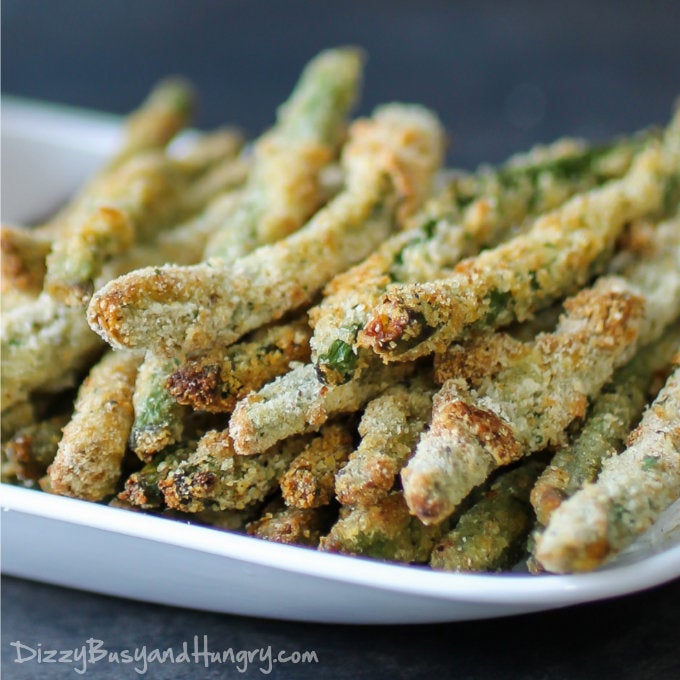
x=216, y=380
x=384, y=531
x=166, y=110
x=32, y=448
x=17, y=416
x=23, y=265
x=609, y=421
x=296, y=526
x=90, y=453
x=142, y=488
x=471, y=212
x=196, y=307
x=390, y=427
x=216, y=477
x=630, y=493
x=130, y=204
x=491, y=534
x=298, y=402
x=561, y=251
x=284, y=188
x=525, y=406
x=45, y=345
x=309, y=481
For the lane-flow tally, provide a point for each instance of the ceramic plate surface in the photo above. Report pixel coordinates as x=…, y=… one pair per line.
x=46, y=152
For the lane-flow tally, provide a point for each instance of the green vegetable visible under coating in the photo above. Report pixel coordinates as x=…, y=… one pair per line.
x=390, y=427
x=159, y=419
x=389, y=158
x=560, y=253
x=90, y=454
x=470, y=213
x=384, y=531
x=45, y=345
x=491, y=534
x=142, y=487
x=609, y=421
x=298, y=402
x=309, y=481
x=215, y=477
x=284, y=188
x=297, y=526
x=630, y=493
x=32, y=448
x=216, y=380
x=524, y=402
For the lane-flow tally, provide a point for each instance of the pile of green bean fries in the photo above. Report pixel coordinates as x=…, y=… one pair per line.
x=324, y=337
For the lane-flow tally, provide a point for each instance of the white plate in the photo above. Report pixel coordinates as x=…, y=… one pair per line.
x=46, y=152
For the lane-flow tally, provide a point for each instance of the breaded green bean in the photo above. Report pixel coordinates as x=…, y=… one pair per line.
x=23, y=265
x=630, y=493
x=90, y=454
x=166, y=110
x=216, y=380
x=384, y=531
x=183, y=244
x=284, y=188
x=297, y=526
x=142, y=487
x=561, y=251
x=215, y=477
x=470, y=213
x=17, y=416
x=159, y=419
x=538, y=390
x=609, y=421
x=45, y=345
x=390, y=427
x=491, y=535
x=131, y=205
x=309, y=481
x=31, y=449
x=390, y=158
x=298, y=402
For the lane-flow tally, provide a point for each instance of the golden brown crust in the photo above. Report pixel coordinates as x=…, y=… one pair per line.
x=88, y=461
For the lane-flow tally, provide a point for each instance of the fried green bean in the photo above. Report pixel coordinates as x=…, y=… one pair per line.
x=309, y=481
x=560, y=253
x=45, y=346
x=32, y=448
x=609, y=421
x=142, y=487
x=491, y=535
x=165, y=112
x=141, y=193
x=297, y=526
x=215, y=477
x=90, y=454
x=390, y=427
x=159, y=419
x=538, y=390
x=298, y=402
x=217, y=380
x=284, y=188
x=23, y=265
x=632, y=490
x=471, y=213
x=384, y=531
x=390, y=158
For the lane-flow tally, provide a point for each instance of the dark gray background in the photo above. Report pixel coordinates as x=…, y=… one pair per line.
x=501, y=76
